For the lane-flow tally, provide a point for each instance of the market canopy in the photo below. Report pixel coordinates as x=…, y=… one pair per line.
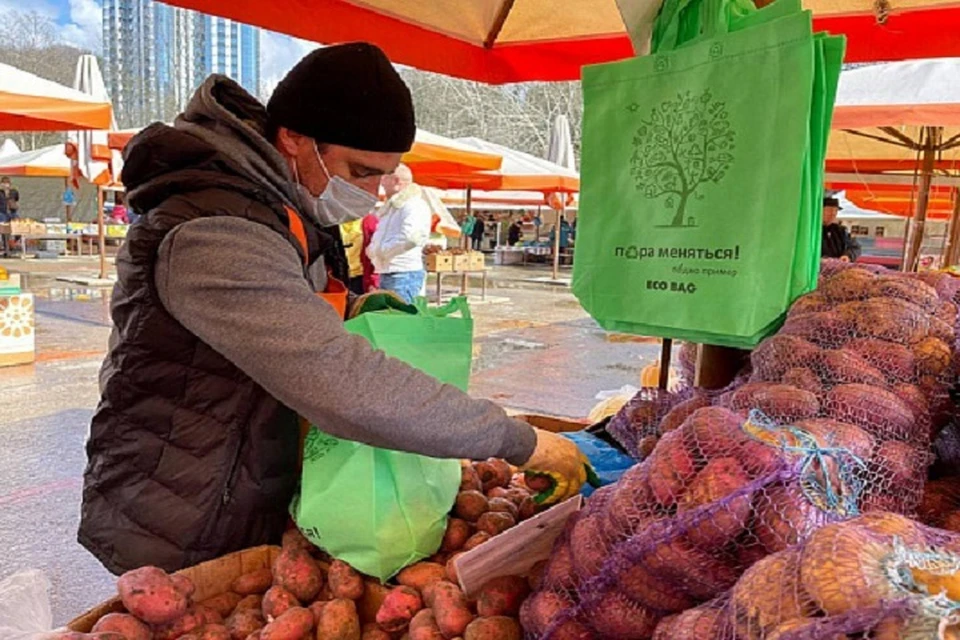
x=500, y=41
x=32, y=103
x=47, y=162
x=520, y=172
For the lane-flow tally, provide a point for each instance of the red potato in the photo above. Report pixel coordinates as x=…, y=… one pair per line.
x=372, y=632
x=244, y=622
x=297, y=572
x=183, y=584
x=809, y=303
x=780, y=353
x=316, y=608
x=209, y=616
x=646, y=446
x=714, y=432
x=803, y=378
x=933, y=356
x=398, y=609
x=211, y=632
x=780, y=402
x=124, y=624
x=293, y=624
x=495, y=523
x=537, y=482
x=720, y=478
x=190, y=621
x=450, y=569
x=785, y=516
x=469, y=480
x=450, y=608
x=617, y=618
x=528, y=508
x=419, y=575
x=502, y=596
x=493, y=628
x=254, y=602
x=913, y=291
x=424, y=626
x=517, y=495
x=151, y=595
x=830, y=433
x=476, y=540
x=503, y=505
x=700, y=574
x=881, y=413
x=947, y=313
x=827, y=329
x=543, y=608
x=456, y=535
x=588, y=548
x=254, y=636
x=843, y=366
x=344, y=581
x=894, y=360
x=339, y=620
x=276, y=601
x=493, y=473
x=294, y=539
x=536, y=574
x=497, y=492
x=671, y=468
x=849, y=284
x=649, y=590
x=253, y=583
x=676, y=416
x=223, y=604
x=470, y=505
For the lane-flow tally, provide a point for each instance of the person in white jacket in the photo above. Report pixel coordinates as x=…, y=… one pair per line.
x=396, y=249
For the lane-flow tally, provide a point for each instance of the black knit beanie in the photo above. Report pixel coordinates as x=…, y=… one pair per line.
x=349, y=95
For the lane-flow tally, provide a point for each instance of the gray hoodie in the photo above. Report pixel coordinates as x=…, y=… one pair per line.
x=240, y=287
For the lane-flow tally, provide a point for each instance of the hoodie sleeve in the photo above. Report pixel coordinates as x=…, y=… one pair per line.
x=239, y=287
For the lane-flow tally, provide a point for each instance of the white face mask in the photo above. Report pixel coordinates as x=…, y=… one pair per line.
x=340, y=201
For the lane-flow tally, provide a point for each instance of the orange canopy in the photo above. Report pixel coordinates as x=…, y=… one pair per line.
x=31, y=103
x=47, y=162
x=902, y=201
x=500, y=41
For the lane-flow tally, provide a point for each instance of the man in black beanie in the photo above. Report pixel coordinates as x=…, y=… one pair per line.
x=228, y=322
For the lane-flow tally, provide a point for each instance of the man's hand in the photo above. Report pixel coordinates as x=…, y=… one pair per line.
x=557, y=469
x=379, y=301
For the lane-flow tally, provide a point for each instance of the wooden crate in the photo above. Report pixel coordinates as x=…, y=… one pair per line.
x=477, y=261
x=439, y=262
x=215, y=576
x=461, y=262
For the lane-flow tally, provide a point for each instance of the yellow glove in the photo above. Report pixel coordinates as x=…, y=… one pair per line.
x=379, y=301
x=557, y=469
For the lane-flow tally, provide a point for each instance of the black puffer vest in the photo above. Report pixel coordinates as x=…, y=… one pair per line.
x=189, y=458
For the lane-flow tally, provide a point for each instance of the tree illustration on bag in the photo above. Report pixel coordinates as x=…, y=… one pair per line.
x=684, y=144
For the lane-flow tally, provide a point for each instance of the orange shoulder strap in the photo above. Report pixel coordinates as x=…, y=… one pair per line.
x=295, y=225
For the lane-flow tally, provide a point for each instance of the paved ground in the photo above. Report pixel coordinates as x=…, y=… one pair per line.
x=536, y=350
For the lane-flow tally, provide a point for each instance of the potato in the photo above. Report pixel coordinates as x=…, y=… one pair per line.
x=493, y=628
x=208, y=615
x=881, y=413
x=911, y=290
x=255, y=582
x=933, y=357
x=537, y=482
x=450, y=569
x=671, y=468
x=470, y=505
x=469, y=479
x=560, y=573
x=339, y=621
x=780, y=402
x=495, y=523
x=517, y=495
x=894, y=360
x=809, y=303
x=503, y=505
x=768, y=594
x=244, y=622
x=849, y=284
x=803, y=378
x=151, y=595
x=424, y=626
x=947, y=313
x=398, y=609
x=827, y=329
x=254, y=602
x=535, y=575
x=212, y=632
x=316, y=609
x=678, y=414
x=476, y=540
x=276, y=601
x=456, y=535
x=292, y=624
x=223, y=604
x=294, y=538
x=344, y=581
x=888, y=319
x=716, y=481
x=588, y=548
x=784, y=516
x=541, y=609
x=713, y=432
x=842, y=366
x=493, y=473
x=830, y=433
x=614, y=617
x=450, y=608
x=650, y=591
x=190, y=621
x=528, y=508
x=419, y=575
x=183, y=584
x=780, y=353
x=372, y=632
x=502, y=596
x=296, y=571
x=124, y=624
x=254, y=636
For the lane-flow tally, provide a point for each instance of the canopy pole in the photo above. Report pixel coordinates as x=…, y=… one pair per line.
x=556, y=240
x=666, y=350
x=466, y=239
x=953, y=240
x=101, y=234
x=66, y=207
x=912, y=254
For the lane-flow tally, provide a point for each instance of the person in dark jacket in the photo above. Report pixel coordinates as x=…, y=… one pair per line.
x=514, y=233
x=221, y=340
x=837, y=242
x=476, y=234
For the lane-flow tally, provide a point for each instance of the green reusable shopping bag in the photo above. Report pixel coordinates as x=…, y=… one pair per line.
x=375, y=509
x=693, y=178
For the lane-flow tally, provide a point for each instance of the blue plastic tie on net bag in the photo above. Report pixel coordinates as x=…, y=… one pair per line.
x=840, y=496
x=607, y=461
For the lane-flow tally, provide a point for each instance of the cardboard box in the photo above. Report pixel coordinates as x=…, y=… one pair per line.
x=17, y=330
x=439, y=262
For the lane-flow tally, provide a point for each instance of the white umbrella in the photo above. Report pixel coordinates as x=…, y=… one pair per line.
x=560, y=152
x=9, y=148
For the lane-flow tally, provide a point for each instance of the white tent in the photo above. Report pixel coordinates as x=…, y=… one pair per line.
x=9, y=148
x=46, y=162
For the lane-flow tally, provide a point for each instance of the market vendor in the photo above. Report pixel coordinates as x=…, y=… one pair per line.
x=220, y=340
x=837, y=241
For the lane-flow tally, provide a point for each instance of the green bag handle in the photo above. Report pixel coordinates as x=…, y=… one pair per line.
x=684, y=22
x=456, y=304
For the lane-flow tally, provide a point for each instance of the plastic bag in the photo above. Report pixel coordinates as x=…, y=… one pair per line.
x=607, y=462
x=611, y=402
x=25, y=606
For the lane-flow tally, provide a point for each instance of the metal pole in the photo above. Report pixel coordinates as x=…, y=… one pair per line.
x=666, y=350
x=953, y=241
x=101, y=235
x=912, y=255
x=466, y=240
x=556, y=240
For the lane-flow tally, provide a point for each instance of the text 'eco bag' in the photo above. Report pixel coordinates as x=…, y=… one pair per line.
x=376, y=509
x=701, y=170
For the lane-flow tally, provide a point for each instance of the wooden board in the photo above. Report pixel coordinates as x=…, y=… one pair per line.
x=516, y=550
